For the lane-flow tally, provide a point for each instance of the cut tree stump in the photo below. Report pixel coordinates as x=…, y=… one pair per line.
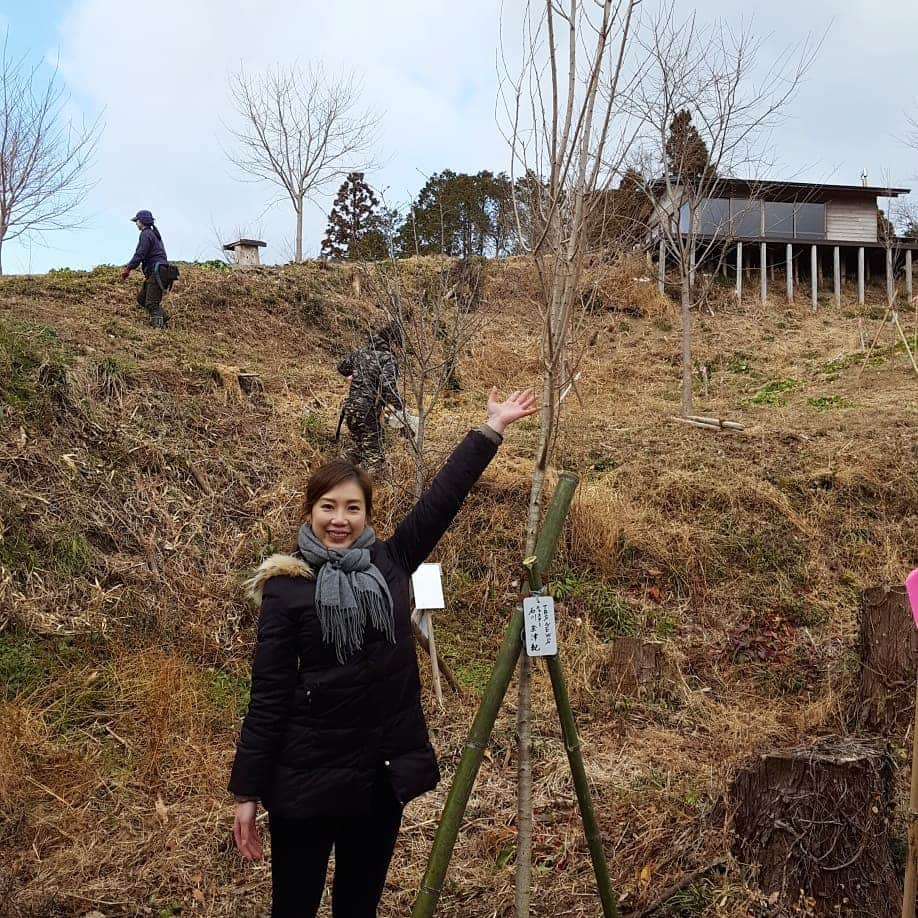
x=814, y=820
x=235, y=382
x=888, y=652
x=635, y=666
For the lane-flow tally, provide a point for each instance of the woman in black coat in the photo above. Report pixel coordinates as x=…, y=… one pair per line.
x=334, y=743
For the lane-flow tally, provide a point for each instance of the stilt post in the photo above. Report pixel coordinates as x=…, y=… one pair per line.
x=739, y=270
x=763, y=269
x=860, y=275
x=789, y=271
x=836, y=264
x=814, y=276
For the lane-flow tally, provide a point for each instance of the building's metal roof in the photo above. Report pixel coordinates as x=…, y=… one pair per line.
x=809, y=190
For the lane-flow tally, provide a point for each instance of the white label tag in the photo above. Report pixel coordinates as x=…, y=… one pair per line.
x=427, y=582
x=541, y=636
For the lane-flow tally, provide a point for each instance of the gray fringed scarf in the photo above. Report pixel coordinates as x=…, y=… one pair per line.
x=349, y=587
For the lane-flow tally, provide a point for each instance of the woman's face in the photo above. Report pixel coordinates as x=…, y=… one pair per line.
x=339, y=516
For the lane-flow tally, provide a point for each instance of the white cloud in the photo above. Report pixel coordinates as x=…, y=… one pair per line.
x=161, y=78
x=429, y=65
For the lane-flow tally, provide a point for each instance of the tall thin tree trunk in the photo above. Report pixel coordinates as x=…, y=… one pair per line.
x=686, y=344
x=523, y=875
x=419, y=442
x=298, y=253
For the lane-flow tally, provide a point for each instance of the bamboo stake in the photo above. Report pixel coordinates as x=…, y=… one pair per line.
x=470, y=761
x=607, y=895
x=874, y=343
x=902, y=334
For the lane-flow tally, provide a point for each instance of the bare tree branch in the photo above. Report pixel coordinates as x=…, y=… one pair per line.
x=563, y=111
x=715, y=74
x=300, y=129
x=43, y=159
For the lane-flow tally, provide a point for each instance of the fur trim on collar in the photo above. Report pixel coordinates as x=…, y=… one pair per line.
x=276, y=566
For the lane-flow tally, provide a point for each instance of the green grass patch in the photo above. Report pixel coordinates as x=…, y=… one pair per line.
x=228, y=691
x=69, y=552
x=826, y=402
x=693, y=901
x=311, y=425
x=612, y=614
x=664, y=624
x=473, y=674
x=740, y=362
x=23, y=348
x=18, y=551
x=774, y=394
x=27, y=662
x=834, y=368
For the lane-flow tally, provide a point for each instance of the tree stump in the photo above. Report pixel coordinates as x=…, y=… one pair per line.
x=814, y=820
x=235, y=383
x=635, y=666
x=888, y=651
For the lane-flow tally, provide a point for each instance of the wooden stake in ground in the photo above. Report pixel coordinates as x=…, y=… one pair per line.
x=426, y=586
x=911, y=864
x=904, y=338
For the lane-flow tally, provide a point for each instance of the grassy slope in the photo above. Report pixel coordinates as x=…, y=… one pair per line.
x=136, y=489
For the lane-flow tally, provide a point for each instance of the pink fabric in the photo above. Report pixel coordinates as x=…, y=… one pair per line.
x=911, y=586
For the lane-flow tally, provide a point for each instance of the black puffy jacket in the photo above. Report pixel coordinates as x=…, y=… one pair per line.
x=317, y=731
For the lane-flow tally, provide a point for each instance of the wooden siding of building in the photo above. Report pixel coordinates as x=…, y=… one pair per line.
x=852, y=221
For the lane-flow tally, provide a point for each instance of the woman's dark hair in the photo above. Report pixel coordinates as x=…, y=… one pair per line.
x=332, y=474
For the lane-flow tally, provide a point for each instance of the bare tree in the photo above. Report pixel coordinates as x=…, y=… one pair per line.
x=43, y=157
x=433, y=305
x=712, y=77
x=301, y=129
x=568, y=136
x=435, y=310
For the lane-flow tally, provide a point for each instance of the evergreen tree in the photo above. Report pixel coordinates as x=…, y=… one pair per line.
x=687, y=155
x=460, y=214
x=356, y=229
x=621, y=218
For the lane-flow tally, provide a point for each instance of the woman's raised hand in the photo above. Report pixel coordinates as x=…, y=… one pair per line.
x=520, y=404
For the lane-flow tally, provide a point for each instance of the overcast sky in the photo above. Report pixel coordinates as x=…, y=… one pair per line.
x=157, y=73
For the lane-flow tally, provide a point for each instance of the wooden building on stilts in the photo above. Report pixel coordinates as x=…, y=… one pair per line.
x=812, y=234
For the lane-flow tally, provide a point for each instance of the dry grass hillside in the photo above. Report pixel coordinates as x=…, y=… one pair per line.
x=139, y=484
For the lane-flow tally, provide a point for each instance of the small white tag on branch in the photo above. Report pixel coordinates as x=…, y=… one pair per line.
x=541, y=636
x=427, y=582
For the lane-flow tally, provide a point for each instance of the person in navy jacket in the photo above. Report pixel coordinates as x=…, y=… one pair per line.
x=334, y=743
x=149, y=255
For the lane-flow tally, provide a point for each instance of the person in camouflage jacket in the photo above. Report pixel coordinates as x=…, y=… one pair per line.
x=373, y=372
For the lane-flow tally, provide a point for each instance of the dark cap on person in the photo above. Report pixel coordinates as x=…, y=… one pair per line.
x=144, y=216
